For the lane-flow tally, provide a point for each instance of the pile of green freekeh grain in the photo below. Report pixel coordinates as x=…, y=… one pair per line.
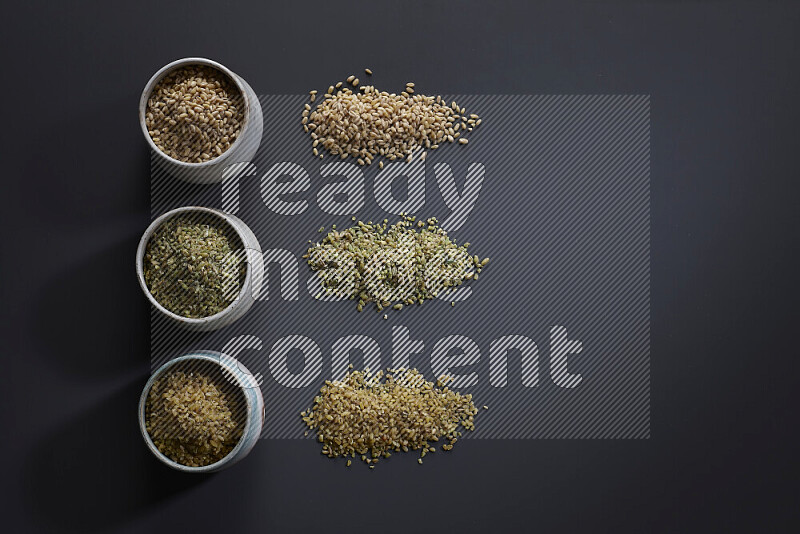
x=193, y=268
x=191, y=419
x=374, y=415
x=393, y=266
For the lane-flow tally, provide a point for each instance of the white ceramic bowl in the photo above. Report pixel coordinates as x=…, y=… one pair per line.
x=254, y=274
x=238, y=375
x=242, y=150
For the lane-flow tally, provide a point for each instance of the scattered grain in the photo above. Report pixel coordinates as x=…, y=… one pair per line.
x=406, y=263
x=372, y=415
x=371, y=123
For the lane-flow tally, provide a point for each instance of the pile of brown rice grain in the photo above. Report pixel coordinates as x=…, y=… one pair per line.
x=191, y=419
x=194, y=113
x=366, y=123
x=375, y=415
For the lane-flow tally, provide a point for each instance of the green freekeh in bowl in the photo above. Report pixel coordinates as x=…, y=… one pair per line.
x=193, y=265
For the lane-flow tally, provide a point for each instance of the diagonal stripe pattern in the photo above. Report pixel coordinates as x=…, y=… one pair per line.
x=555, y=189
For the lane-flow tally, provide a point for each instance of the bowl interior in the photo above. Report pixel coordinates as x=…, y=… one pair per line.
x=172, y=67
x=203, y=216
x=227, y=381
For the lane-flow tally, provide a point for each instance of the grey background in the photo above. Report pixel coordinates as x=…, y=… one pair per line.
x=563, y=213
x=723, y=79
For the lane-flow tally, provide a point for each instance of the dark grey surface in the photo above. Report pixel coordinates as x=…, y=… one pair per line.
x=563, y=215
x=723, y=80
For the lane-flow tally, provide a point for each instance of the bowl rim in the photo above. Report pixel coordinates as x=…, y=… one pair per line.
x=145, y=239
x=161, y=73
x=214, y=357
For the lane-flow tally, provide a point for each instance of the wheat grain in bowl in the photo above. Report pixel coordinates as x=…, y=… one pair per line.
x=195, y=113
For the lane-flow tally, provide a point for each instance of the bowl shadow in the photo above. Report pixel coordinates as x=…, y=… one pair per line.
x=95, y=472
x=105, y=331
